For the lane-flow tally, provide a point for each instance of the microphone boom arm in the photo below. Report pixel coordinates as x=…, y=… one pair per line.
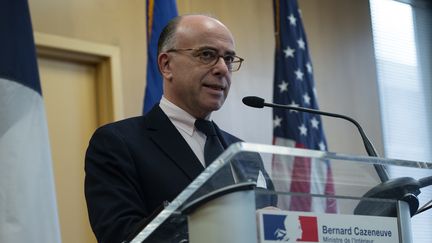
x=380, y=169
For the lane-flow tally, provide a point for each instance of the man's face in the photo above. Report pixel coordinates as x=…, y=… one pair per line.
x=194, y=86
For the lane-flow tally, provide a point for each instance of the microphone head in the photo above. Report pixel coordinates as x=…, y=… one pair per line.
x=253, y=101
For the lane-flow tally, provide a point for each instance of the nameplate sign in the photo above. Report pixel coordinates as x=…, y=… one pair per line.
x=286, y=226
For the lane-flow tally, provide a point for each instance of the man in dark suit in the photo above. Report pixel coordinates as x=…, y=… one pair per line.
x=135, y=165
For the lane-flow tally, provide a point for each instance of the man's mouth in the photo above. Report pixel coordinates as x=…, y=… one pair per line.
x=215, y=87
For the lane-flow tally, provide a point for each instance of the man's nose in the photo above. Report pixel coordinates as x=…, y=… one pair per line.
x=221, y=67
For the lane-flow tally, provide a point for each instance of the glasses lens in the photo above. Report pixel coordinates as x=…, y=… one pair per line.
x=207, y=56
x=235, y=64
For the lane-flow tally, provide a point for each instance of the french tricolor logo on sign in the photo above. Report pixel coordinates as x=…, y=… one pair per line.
x=289, y=228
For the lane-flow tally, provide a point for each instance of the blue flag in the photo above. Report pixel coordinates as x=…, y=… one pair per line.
x=159, y=13
x=294, y=85
x=28, y=211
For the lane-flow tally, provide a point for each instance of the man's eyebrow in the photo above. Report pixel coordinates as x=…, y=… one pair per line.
x=207, y=48
x=231, y=53
x=228, y=52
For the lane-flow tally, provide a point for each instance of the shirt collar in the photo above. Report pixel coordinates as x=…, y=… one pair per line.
x=178, y=116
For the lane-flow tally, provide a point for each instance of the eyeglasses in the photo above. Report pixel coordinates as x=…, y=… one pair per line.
x=209, y=56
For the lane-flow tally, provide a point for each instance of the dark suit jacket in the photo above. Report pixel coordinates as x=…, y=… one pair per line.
x=132, y=167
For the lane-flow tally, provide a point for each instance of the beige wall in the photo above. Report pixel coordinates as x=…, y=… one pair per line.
x=113, y=22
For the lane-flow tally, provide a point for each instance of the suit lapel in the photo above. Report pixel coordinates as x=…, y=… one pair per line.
x=170, y=141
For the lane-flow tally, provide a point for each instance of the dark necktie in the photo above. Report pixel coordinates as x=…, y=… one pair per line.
x=213, y=147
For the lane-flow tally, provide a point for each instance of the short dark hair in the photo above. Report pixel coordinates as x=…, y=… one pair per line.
x=167, y=36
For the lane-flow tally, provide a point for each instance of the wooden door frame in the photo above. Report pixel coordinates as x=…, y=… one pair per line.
x=105, y=58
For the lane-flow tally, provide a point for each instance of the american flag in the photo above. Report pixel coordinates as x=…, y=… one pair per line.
x=294, y=85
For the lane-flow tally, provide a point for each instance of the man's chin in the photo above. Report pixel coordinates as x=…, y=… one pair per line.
x=216, y=106
x=212, y=103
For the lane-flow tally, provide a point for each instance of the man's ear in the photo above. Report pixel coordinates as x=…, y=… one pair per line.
x=164, y=65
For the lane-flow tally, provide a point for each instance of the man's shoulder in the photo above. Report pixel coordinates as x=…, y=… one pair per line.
x=133, y=123
x=124, y=124
x=122, y=130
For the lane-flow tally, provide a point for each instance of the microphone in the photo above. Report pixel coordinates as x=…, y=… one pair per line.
x=405, y=188
x=258, y=102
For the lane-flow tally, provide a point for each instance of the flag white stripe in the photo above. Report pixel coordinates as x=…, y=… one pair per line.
x=318, y=183
x=28, y=211
x=283, y=165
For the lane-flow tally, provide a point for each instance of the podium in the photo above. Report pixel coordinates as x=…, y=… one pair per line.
x=239, y=199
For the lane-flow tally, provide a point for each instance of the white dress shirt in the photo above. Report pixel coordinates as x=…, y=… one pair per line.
x=184, y=122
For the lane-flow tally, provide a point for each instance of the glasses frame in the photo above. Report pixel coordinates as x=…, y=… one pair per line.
x=240, y=60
